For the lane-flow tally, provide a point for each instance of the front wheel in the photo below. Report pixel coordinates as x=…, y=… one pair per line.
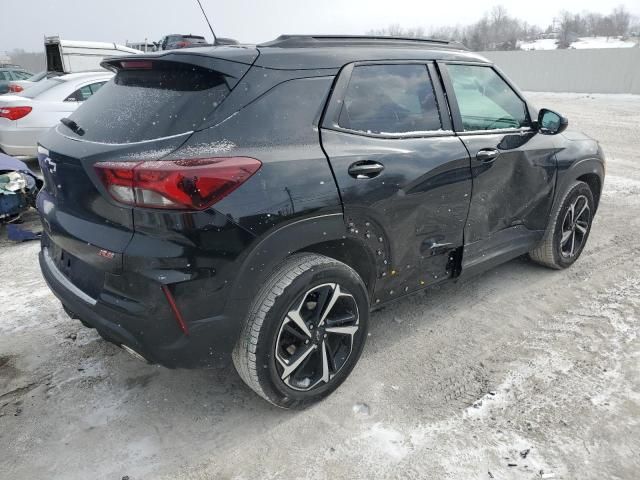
x=305, y=331
x=568, y=229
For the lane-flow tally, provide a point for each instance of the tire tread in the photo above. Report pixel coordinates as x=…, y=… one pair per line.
x=544, y=253
x=244, y=353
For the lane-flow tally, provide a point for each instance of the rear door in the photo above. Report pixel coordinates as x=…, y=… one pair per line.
x=514, y=167
x=403, y=175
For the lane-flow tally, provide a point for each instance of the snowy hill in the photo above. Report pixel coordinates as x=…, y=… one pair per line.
x=540, y=44
x=583, y=42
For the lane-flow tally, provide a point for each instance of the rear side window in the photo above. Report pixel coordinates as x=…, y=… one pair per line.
x=83, y=93
x=168, y=99
x=390, y=99
x=485, y=100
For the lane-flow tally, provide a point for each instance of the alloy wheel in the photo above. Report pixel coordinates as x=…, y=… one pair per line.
x=316, y=337
x=575, y=227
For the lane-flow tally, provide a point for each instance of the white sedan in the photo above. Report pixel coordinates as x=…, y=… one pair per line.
x=24, y=117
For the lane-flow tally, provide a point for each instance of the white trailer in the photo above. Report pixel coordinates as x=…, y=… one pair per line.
x=71, y=56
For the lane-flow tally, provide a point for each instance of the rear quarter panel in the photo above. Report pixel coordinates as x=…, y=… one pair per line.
x=295, y=182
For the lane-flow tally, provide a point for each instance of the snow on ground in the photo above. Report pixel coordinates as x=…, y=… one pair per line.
x=521, y=373
x=602, y=42
x=540, y=44
x=581, y=43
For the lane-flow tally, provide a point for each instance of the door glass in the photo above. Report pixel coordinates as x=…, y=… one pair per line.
x=390, y=99
x=96, y=86
x=80, y=95
x=486, y=102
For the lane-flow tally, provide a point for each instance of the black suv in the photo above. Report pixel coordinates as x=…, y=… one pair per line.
x=255, y=202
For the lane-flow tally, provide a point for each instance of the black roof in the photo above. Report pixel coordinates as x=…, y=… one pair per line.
x=313, y=52
x=298, y=41
x=334, y=51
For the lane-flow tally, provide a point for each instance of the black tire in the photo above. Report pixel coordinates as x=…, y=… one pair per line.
x=554, y=251
x=259, y=355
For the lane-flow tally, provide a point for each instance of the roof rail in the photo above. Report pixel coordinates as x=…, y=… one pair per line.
x=301, y=41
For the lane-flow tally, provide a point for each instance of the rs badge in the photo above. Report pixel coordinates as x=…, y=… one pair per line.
x=106, y=254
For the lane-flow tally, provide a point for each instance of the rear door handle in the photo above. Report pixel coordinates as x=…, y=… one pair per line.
x=365, y=169
x=487, y=155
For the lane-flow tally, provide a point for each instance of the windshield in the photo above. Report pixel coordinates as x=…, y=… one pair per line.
x=41, y=87
x=139, y=105
x=195, y=39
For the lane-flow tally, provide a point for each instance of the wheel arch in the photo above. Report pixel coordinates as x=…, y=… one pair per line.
x=590, y=171
x=324, y=234
x=595, y=185
x=350, y=252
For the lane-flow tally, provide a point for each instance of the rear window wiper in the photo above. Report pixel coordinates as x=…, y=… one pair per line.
x=67, y=122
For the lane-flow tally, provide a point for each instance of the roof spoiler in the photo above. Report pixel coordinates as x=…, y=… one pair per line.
x=301, y=41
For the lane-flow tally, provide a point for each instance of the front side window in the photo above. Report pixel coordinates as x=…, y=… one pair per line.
x=394, y=99
x=485, y=100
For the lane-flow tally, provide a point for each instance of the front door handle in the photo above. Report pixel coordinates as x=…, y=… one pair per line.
x=487, y=155
x=365, y=169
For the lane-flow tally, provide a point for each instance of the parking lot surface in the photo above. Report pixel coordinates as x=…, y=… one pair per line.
x=520, y=373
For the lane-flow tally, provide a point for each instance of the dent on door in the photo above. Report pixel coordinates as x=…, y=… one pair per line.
x=412, y=213
x=514, y=188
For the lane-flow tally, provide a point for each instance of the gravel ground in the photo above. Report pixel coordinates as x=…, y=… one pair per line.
x=521, y=373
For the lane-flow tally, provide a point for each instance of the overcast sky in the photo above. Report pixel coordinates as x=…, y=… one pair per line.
x=23, y=23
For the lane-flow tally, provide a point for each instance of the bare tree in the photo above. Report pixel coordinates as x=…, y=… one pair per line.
x=620, y=20
x=32, y=61
x=395, y=30
x=497, y=30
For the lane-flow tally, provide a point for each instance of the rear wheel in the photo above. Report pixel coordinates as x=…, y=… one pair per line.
x=568, y=229
x=305, y=331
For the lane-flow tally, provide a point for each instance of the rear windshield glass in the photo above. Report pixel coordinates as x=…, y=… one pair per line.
x=40, y=87
x=137, y=105
x=37, y=77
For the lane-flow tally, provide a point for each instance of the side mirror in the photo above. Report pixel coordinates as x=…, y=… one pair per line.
x=551, y=123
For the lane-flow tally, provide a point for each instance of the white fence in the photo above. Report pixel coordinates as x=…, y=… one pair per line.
x=606, y=70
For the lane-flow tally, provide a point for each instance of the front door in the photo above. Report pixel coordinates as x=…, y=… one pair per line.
x=514, y=167
x=403, y=175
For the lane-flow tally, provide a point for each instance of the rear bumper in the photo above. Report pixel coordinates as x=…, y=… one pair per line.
x=150, y=332
x=20, y=142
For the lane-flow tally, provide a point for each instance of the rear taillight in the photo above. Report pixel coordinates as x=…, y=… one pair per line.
x=14, y=113
x=193, y=184
x=13, y=88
